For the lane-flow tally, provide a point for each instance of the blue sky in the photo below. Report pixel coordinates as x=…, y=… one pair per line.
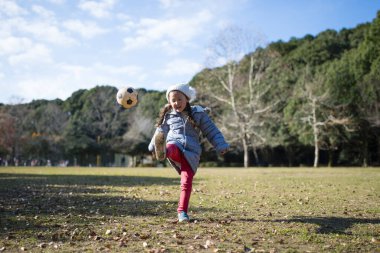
x=52, y=48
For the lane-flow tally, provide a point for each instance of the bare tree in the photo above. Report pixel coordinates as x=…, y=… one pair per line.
x=137, y=138
x=238, y=87
x=370, y=110
x=8, y=138
x=318, y=113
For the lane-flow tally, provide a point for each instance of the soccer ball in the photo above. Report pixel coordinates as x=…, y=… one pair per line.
x=127, y=97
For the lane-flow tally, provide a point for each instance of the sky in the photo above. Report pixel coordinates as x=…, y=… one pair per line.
x=52, y=48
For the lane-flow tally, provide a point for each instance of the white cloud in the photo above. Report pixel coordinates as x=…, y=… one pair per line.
x=14, y=45
x=61, y=80
x=99, y=9
x=168, y=3
x=57, y=1
x=132, y=70
x=43, y=12
x=169, y=33
x=122, y=16
x=46, y=32
x=87, y=30
x=36, y=54
x=180, y=67
x=10, y=8
x=127, y=26
x=43, y=88
x=100, y=74
x=40, y=30
x=7, y=26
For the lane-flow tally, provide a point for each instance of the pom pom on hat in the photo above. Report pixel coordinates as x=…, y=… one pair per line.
x=189, y=91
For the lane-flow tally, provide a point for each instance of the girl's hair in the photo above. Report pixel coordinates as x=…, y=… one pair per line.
x=168, y=107
x=161, y=116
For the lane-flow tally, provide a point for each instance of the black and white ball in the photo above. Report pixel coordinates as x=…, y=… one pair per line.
x=127, y=97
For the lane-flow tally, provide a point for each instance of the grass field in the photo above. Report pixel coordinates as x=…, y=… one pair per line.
x=232, y=210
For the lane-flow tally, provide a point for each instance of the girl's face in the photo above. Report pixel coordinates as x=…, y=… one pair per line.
x=177, y=100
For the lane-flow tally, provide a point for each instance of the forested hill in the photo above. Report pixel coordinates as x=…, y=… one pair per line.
x=308, y=101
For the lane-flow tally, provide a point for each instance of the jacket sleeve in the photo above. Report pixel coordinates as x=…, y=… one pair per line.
x=212, y=133
x=151, y=144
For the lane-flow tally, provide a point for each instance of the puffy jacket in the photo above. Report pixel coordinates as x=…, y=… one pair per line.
x=180, y=132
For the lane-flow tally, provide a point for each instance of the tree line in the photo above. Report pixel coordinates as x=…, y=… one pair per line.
x=308, y=101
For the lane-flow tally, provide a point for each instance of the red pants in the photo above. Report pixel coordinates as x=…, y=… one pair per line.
x=187, y=174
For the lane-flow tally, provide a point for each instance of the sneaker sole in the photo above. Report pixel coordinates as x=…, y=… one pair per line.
x=159, y=142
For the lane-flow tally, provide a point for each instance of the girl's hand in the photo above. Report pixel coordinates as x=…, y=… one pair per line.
x=224, y=151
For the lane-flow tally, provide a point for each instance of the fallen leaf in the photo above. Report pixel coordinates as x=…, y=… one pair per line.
x=97, y=238
x=42, y=245
x=123, y=243
x=246, y=249
x=144, y=236
x=157, y=250
x=9, y=237
x=208, y=244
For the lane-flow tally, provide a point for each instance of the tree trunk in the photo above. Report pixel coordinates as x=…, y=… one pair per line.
x=364, y=148
x=316, y=155
x=134, y=161
x=316, y=133
x=98, y=161
x=254, y=151
x=246, y=155
x=365, y=154
x=290, y=155
x=331, y=157
x=378, y=150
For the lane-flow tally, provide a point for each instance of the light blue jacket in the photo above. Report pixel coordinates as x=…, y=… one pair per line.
x=180, y=132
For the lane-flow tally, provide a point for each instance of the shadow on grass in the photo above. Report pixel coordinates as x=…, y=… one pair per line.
x=326, y=225
x=33, y=202
x=83, y=180
x=331, y=225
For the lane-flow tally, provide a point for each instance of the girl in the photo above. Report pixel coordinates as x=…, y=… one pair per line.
x=177, y=138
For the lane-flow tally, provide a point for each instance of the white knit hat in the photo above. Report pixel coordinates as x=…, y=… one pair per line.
x=190, y=92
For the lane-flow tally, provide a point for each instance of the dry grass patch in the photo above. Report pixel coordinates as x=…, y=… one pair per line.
x=232, y=210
